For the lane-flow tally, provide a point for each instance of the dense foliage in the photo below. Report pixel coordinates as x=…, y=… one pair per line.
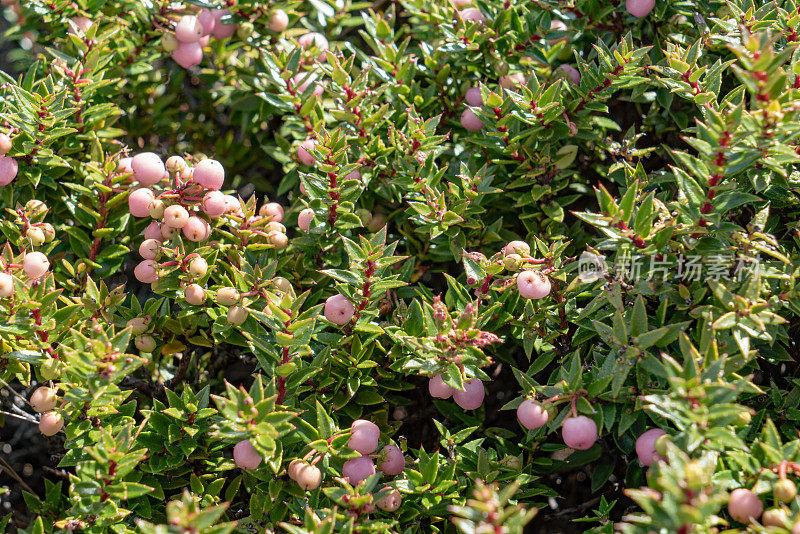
x=411, y=266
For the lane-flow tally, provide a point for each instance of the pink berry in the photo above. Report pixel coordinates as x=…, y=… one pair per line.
x=364, y=436
x=232, y=205
x=35, y=264
x=279, y=21
x=222, y=30
x=188, y=29
x=79, y=25
x=338, y=309
x=125, y=165
x=294, y=468
x=186, y=174
x=572, y=73
x=209, y=173
x=43, y=399
x=510, y=81
x=198, y=267
x=194, y=294
x=149, y=248
x=531, y=414
x=393, y=462
x=470, y=121
x=639, y=8
x=357, y=469
x=472, y=396
x=207, y=21
x=139, y=202
x=302, y=80
x=237, y=315
x=227, y=296
x=145, y=343
x=473, y=15
x=745, y=506
x=196, y=229
x=175, y=164
x=517, y=247
x=304, y=219
x=304, y=154
x=272, y=210
x=146, y=271
x=6, y=285
x=148, y=168
x=188, y=54
x=168, y=232
x=391, y=502
x=8, y=170
x=176, y=216
x=437, y=388
x=5, y=144
x=473, y=97
x=314, y=40
x=245, y=455
x=533, y=285
x=139, y=325
x=646, y=446
x=579, y=432
x=308, y=477
x=51, y=423
x=303, y=189
x=214, y=204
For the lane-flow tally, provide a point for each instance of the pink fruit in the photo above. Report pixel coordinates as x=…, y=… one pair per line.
x=175, y=164
x=572, y=73
x=186, y=174
x=294, y=468
x=314, y=40
x=51, y=423
x=473, y=15
x=125, y=165
x=392, y=461
x=8, y=170
x=303, y=80
x=304, y=219
x=209, y=173
x=35, y=264
x=237, y=315
x=510, y=81
x=533, y=285
x=278, y=240
x=194, y=294
x=391, y=502
x=338, y=309
x=517, y=247
x=196, y=229
x=304, y=154
x=168, y=232
x=308, y=477
x=207, y=21
x=364, y=436
x=148, y=168
x=227, y=296
x=745, y=506
x=198, y=267
x=531, y=414
x=279, y=21
x=6, y=285
x=437, y=388
x=470, y=121
x=245, y=455
x=222, y=30
x=139, y=325
x=79, y=25
x=214, y=204
x=272, y=211
x=473, y=97
x=646, y=446
x=5, y=144
x=639, y=8
x=357, y=469
x=232, y=205
x=43, y=399
x=579, y=432
x=156, y=209
x=146, y=272
x=303, y=189
x=188, y=29
x=145, y=343
x=139, y=202
x=472, y=396
x=188, y=54
x=149, y=248
x=176, y=216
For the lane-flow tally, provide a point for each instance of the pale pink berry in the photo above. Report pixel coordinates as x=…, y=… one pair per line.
x=304, y=152
x=279, y=21
x=579, y=432
x=517, y=247
x=79, y=25
x=51, y=423
x=646, y=446
x=8, y=170
x=232, y=205
x=188, y=54
x=245, y=455
x=357, y=469
x=139, y=202
x=188, y=29
x=139, y=325
x=437, y=388
x=314, y=40
x=237, y=315
x=294, y=468
x=278, y=240
x=222, y=30
x=6, y=285
x=207, y=21
x=194, y=294
x=196, y=229
x=272, y=210
x=175, y=164
x=43, y=399
x=227, y=296
x=473, y=97
x=572, y=73
x=531, y=414
x=338, y=309
x=303, y=189
x=639, y=8
x=470, y=121
x=146, y=271
x=145, y=343
x=745, y=506
x=510, y=81
x=302, y=80
x=198, y=267
x=391, y=502
x=308, y=476
x=392, y=461
x=149, y=248
x=125, y=166
x=168, y=232
x=148, y=168
x=214, y=204
x=533, y=285
x=364, y=436
x=156, y=209
x=35, y=264
x=304, y=219
x=472, y=396
x=176, y=216
x=473, y=14
x=5, y=144
x=186, y=174
x=209, y=173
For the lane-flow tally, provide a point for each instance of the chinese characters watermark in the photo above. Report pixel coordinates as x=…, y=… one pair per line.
x=688, y=268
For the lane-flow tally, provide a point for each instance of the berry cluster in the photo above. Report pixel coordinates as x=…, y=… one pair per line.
x=193, y=32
